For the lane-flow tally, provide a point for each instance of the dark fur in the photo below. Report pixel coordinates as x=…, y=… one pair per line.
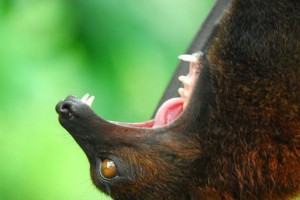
x=255, y=123
x=240, y=136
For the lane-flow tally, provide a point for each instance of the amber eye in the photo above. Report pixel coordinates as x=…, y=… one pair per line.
x=108, y=169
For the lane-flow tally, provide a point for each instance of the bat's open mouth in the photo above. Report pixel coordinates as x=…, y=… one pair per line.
x=172, y=109
x=167, y=113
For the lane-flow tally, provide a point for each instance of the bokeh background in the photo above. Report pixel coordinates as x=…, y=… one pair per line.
x=121, y=51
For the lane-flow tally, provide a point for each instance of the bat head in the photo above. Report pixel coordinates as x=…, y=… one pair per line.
x=157, y=158
x=232, y=134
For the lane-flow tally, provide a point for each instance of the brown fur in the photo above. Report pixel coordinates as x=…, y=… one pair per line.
x=239, y=137
x=257, y=111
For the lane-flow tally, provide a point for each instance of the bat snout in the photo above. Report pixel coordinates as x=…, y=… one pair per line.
x=67, y=108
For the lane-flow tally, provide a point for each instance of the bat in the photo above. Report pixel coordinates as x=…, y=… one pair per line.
x=234, y=130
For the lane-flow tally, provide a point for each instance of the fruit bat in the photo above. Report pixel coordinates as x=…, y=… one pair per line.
x=234, y=130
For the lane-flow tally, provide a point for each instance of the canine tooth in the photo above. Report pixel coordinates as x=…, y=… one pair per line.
x=85, y=98
x=90, y=100
x=189, y=58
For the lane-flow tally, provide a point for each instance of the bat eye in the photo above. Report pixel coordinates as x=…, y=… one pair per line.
x=108, y=169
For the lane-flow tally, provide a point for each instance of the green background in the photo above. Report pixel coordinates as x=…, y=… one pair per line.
x=121, y=51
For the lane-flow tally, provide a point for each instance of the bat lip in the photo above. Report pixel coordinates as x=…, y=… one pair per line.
x=71, y=110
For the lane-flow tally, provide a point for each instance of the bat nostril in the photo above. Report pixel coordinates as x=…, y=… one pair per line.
x=65, y=109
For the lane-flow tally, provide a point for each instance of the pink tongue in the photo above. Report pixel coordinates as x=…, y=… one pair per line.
x=168, y=112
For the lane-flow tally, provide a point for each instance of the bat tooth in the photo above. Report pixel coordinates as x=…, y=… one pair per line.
x=188, y=58
x=198, y=54
x=182, y=78
x=181, y=92
x=185, y=80
x=85, y=98
x=90, y=100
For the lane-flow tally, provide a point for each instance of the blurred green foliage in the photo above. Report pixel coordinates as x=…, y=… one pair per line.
x=122, y=51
